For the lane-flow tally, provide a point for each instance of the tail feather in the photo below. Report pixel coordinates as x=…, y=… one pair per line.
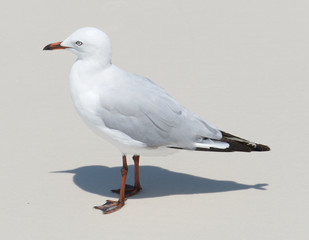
x=236, y=144
x=241, y=144
x=233, y=144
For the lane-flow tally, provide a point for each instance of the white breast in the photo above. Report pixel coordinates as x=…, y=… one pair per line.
x=84, y=95
x=86, y=92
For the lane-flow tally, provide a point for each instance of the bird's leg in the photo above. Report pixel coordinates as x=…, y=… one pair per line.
x=112, y=206
x=137, y=185
x=129, y=189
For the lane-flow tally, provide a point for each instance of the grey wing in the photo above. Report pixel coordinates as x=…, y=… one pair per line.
x=147, y=113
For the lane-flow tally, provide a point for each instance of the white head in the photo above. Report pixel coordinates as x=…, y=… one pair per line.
x=87, y=43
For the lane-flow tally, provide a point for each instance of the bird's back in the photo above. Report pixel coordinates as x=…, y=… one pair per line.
x=135, y=106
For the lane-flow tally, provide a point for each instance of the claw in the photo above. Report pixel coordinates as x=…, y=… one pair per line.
x=110, y=206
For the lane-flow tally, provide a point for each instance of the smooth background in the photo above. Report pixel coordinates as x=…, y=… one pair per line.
x=242, y=65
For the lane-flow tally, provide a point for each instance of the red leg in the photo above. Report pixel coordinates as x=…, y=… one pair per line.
x=112, y=206
x=137, y=185
x=132, y=190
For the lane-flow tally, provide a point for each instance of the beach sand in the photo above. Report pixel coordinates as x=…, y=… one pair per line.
x=242, y=66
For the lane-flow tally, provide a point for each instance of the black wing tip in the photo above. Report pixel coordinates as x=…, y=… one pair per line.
x=234, y=147
x=237, y=142
x=261, y=148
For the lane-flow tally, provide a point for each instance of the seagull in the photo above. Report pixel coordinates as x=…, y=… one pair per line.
x=133, y=113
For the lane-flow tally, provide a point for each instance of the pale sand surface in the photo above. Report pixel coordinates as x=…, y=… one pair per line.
x=242, y=66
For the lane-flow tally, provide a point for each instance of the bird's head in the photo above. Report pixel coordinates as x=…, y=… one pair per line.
x=86, y=43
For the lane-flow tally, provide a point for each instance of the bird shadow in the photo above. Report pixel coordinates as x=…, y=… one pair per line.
x=156, y=181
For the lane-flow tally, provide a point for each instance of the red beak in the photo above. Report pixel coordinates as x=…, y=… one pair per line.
x=54, y=46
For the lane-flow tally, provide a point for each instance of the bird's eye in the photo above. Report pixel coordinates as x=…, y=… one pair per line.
x=79, y=43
